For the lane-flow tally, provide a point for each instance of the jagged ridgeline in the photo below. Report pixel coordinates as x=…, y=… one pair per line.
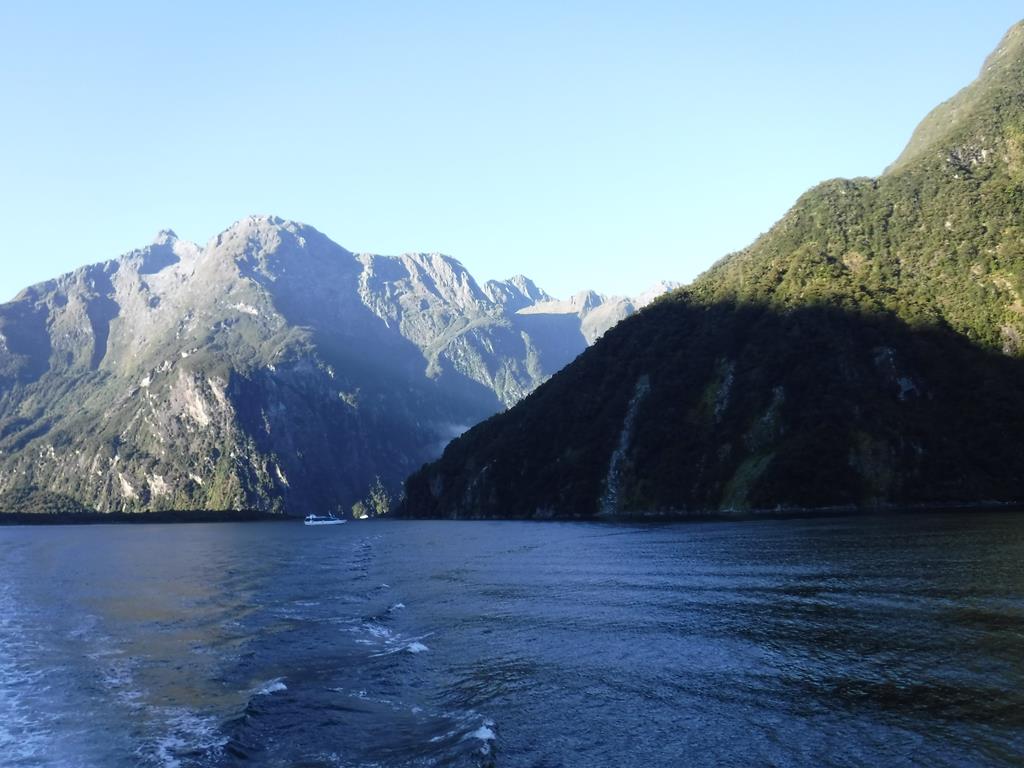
x=270, y=370
x=866, y=351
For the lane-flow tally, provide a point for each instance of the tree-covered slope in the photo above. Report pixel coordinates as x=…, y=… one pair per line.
x=865, y=351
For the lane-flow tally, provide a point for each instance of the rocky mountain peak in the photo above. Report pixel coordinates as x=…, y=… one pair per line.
x=660, y=288
x=515, y=293
x=273, y=251
x=586, y=300
x=165, y=236
x=262, y=228
x=438, y=266
x=1009, y=53
x=978, y=126
x=528, y=288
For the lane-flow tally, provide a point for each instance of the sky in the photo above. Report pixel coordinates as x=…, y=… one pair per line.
x=585, y=144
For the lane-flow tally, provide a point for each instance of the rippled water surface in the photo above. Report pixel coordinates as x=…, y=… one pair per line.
x=844, y=642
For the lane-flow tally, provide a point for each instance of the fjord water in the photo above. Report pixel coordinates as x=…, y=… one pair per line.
x=853, y=641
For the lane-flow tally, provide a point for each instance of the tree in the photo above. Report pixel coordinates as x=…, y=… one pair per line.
x=379, y=501
x=359, y=511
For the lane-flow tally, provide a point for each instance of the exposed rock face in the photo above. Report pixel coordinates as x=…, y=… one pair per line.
x=508, y=336
x=597, y=313
x=271, y=370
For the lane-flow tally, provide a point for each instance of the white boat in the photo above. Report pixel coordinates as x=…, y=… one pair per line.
x=322, y=520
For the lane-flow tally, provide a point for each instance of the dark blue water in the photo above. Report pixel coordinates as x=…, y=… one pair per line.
x=854, y=642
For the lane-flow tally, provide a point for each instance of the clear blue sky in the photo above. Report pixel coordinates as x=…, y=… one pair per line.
x=586, y=144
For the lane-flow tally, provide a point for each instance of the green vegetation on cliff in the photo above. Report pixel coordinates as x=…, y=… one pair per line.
x=864, y=352
x=28, y=500
x=270, y=370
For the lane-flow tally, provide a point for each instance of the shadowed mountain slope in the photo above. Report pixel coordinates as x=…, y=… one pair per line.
x=864, y=352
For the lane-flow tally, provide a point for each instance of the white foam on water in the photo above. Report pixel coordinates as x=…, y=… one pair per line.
x=26, y=735
x=42, y=697
x=364, y=695
x=484, y=733
x=333, y=759
x=118, y=676
x=271, y=686
x=187, y=733
x=86, y=627
x=444, y=737
x=379, y=631
x=398, y=644
x=396, y=607
x=23, y=737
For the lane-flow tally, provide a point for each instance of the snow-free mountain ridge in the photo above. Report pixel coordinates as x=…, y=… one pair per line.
x=269, y=369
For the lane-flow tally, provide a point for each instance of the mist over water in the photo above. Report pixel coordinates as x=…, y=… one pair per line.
x=845, y=642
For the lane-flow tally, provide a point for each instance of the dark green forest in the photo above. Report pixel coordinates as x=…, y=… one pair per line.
x=866, y=352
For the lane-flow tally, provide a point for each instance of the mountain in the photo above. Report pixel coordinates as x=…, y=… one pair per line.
x=866, y=352
x=506, y=336
x=270, y=370
x=596, y=312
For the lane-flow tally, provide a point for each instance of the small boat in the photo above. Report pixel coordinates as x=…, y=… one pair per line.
x=323, y=520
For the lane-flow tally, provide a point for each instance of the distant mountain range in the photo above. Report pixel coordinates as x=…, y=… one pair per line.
x=866, y=352
x=270, y=370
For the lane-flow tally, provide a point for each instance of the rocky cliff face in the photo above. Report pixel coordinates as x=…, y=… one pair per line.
x=506, y=336
x=271, y=369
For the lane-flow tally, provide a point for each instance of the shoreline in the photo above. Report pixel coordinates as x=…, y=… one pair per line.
x=141, y=518
x=652, y=517
x=749, y=515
